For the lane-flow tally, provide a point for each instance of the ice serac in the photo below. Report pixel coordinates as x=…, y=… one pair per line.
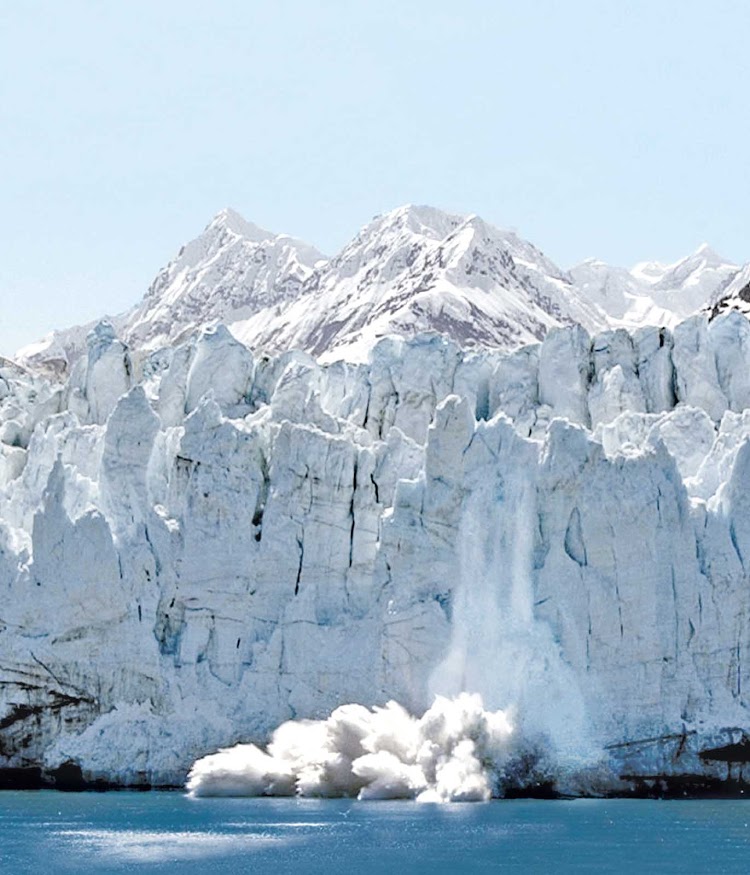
x=201, y=543
x=102, y=377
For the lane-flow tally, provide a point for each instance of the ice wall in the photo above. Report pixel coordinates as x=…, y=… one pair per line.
x=201, y=545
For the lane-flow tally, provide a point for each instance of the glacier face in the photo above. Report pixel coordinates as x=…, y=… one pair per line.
x=198, y=544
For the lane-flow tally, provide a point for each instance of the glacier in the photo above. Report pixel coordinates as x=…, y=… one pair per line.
x=201, y=542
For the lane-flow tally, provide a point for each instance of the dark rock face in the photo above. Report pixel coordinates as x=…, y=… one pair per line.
x=35, y=718
x=67, y=777
x=731, y=302
x=28, y=778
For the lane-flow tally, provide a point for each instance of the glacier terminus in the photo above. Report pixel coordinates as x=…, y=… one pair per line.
x=434, y=465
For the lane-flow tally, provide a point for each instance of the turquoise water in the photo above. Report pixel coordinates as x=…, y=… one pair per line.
x=166, y=832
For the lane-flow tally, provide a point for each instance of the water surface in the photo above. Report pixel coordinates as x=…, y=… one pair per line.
x=167, y=832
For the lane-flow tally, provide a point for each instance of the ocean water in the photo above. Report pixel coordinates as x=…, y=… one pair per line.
x=167, y=832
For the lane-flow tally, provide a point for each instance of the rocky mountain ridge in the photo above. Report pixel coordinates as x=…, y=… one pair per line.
x=412, y=270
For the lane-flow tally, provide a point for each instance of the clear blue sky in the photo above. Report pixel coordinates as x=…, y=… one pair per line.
x=616, y=129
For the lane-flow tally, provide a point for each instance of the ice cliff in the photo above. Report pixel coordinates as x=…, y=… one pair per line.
x=202, y=543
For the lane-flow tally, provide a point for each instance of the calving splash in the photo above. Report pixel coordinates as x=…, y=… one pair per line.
x=454, y=752
x=499, y=648
x=457, y=750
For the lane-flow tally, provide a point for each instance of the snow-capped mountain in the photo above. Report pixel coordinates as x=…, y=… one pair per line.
x=418, y=269
x=199, y=541
x=412, y=270
x=652, y=293
x=233, y=270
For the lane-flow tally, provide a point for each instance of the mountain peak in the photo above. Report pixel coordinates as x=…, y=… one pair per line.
x=230, y=220
x=659, y=275
x=703, y=259
x=417, y=218
x=705, y=253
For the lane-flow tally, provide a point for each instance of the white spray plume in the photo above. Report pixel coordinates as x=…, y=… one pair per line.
x=454, y=752
x=499, y=647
